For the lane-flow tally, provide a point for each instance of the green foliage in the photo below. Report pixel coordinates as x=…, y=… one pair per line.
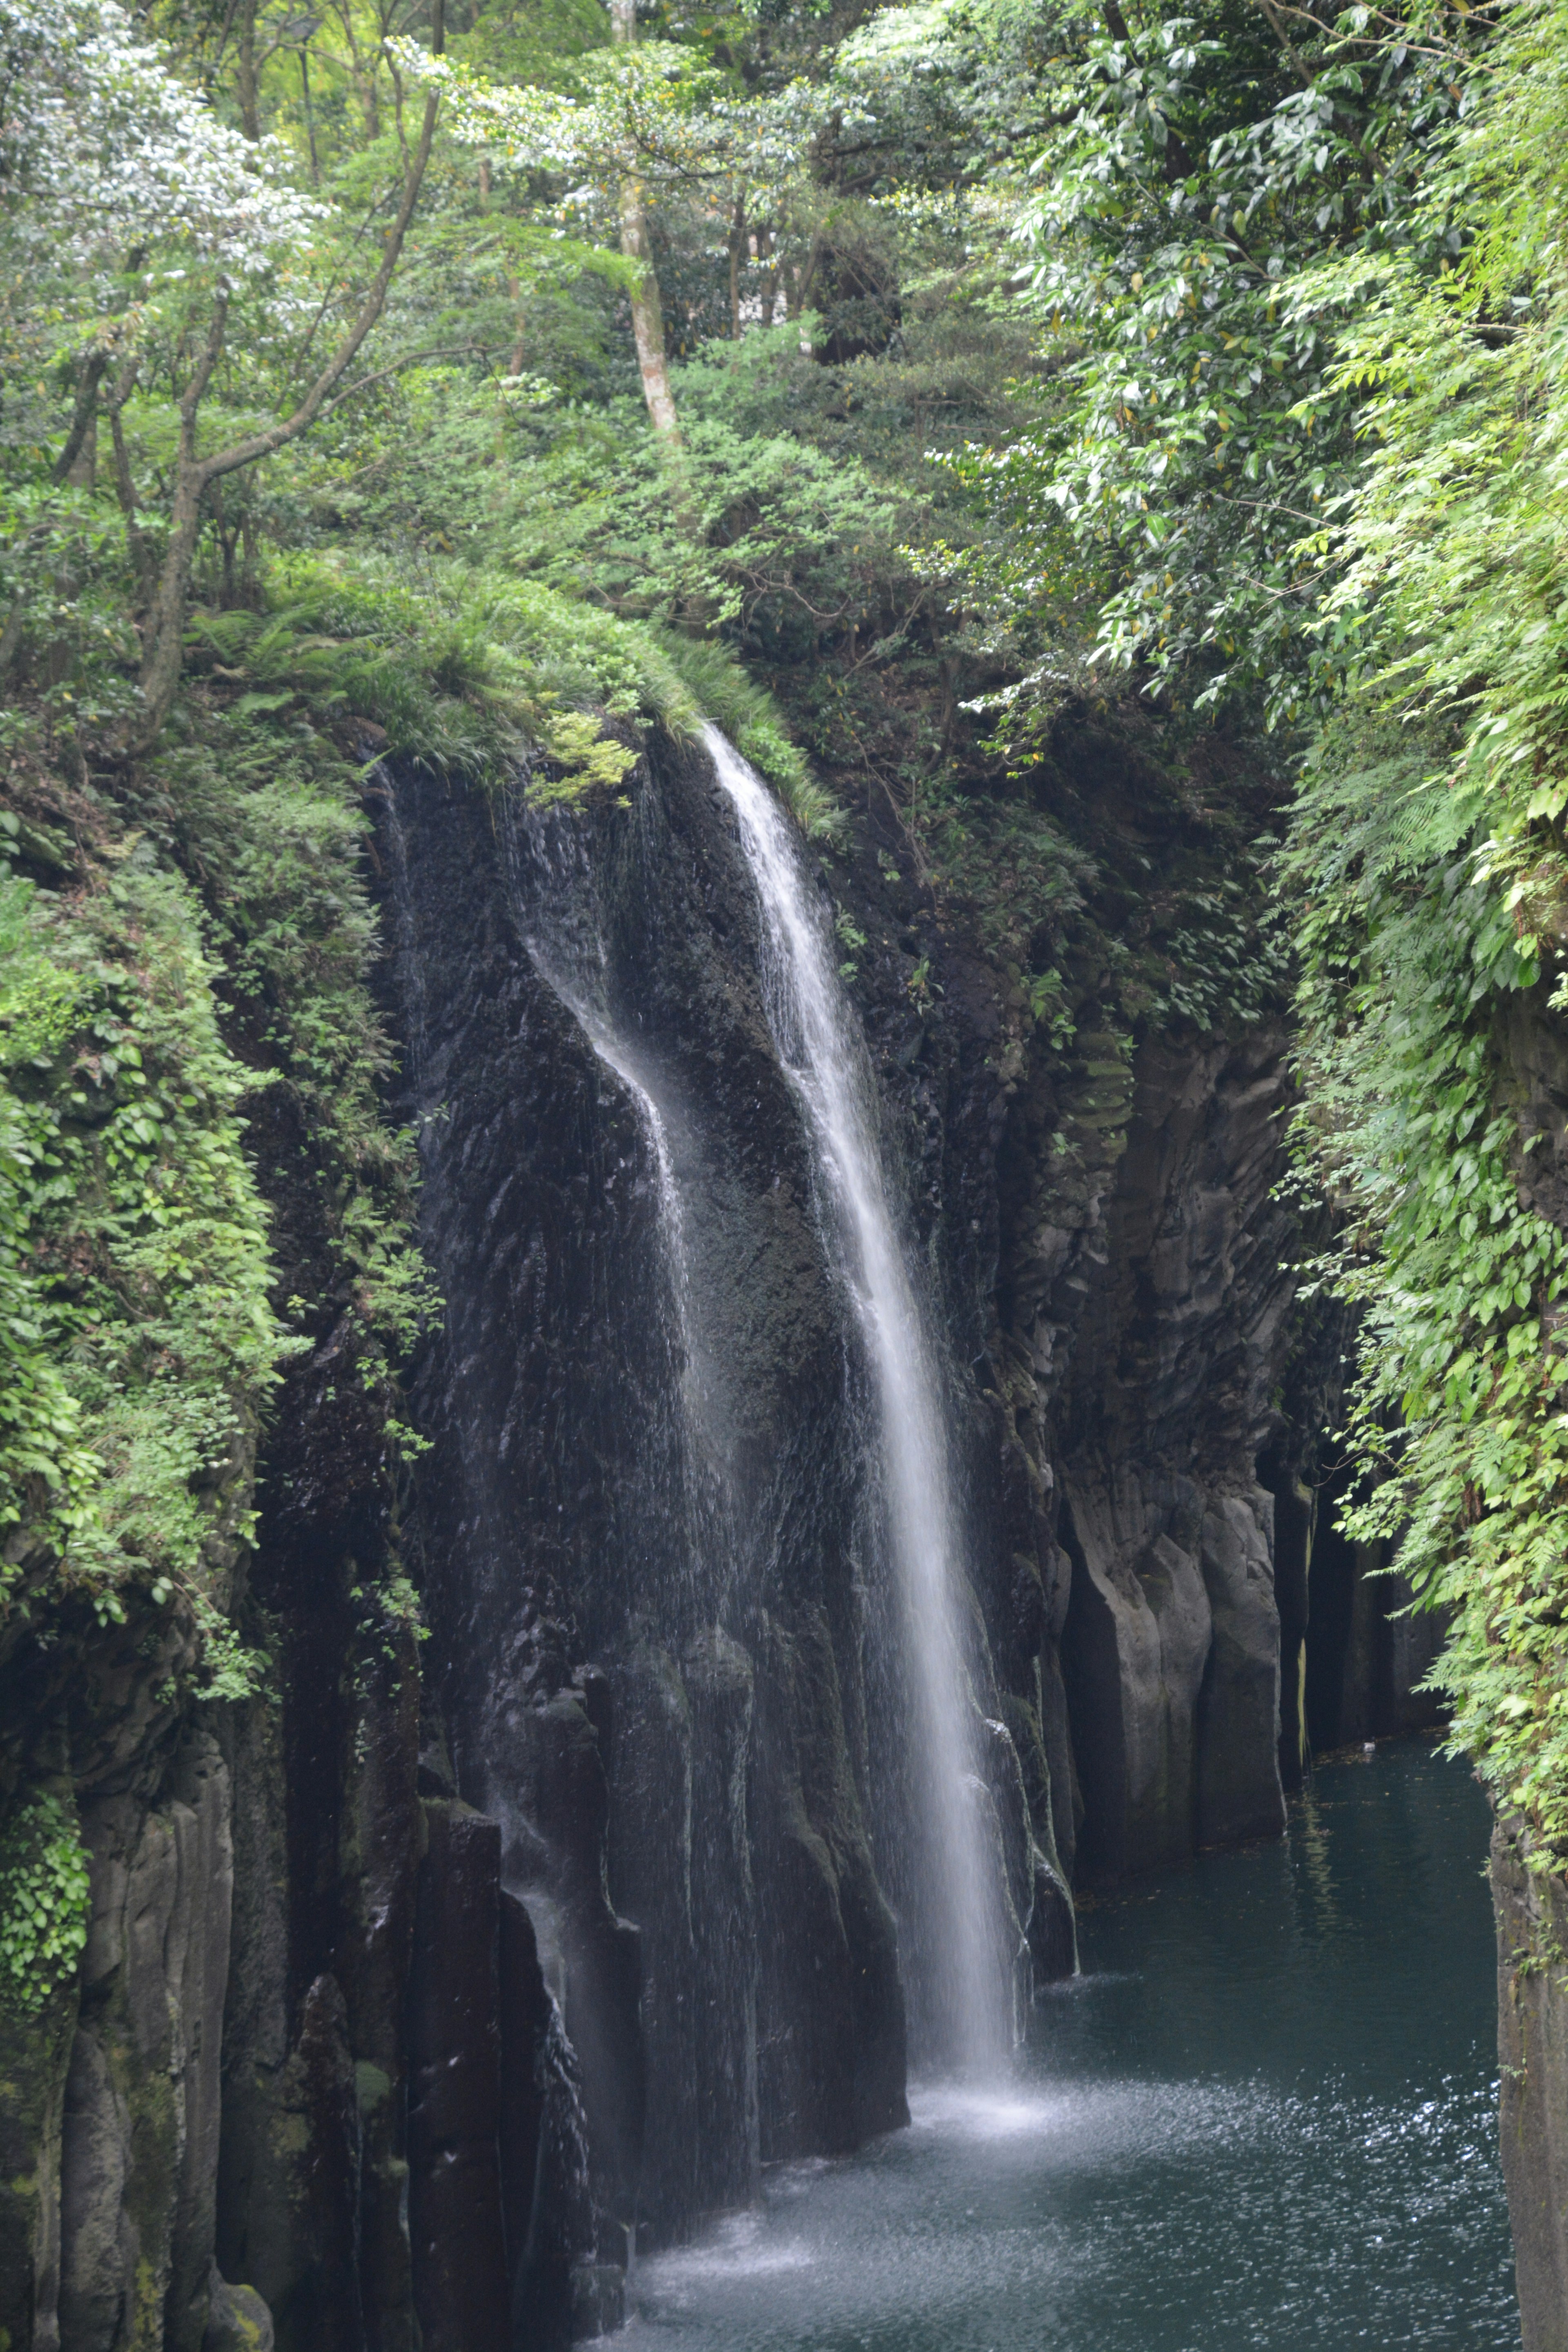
x=40, y=1417
x=769, y=535
x=135, y=1250
x=1458, y=1418
x=1025, y=878
x=472, y=673
x=62, y=587
x=1426, y=860
x=45, y=1900
x=269, y=819
x=1201, y=434
x=721, y=690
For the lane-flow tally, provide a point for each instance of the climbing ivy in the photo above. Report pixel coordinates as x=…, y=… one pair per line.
x=43, y=1903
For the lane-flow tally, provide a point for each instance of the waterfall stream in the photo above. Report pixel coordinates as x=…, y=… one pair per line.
x=554, y=890
x=690, y=1375
x=958, y=1975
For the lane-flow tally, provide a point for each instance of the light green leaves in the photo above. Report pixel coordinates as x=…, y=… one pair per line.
x=45, y=1893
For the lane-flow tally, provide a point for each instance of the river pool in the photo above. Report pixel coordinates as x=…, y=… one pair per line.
x=1264, y=2120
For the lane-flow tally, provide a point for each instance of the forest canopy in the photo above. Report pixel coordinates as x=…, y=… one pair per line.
x=506, y=377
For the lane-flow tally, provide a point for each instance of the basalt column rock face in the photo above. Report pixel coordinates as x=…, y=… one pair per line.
x=639, y=1527
x=312, y=2176
x=1172, y=1639
x=1532, y=1905
x=1095, y=1194
x=109, y=2094
x=637, y=1521
x=1140, y=1328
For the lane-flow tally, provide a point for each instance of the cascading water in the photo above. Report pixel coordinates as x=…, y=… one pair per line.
x=688, y=1514
x=961, y=1977
x=554, y=886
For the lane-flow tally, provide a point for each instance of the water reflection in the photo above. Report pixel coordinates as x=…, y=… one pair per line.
x=1265, y=2119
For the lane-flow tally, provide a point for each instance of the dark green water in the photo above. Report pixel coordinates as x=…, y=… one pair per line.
x=1265, y=2119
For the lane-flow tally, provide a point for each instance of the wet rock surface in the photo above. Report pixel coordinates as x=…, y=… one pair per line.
x=424, y=1986
x=719, y=1807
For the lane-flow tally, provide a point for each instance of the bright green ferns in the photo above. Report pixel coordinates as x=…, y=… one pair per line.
x=132, y=1239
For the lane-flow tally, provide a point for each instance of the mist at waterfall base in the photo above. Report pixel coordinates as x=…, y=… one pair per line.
x=1264, y=2117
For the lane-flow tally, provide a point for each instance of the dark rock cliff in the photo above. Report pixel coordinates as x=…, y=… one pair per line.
x=1532, y=2053
x=418, y=1988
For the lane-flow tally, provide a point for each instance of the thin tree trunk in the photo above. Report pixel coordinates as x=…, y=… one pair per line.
x=227, y=540
x=84, y=414
x=11, y=636
x=245, y=79
x=124, y=488
x=648, y=313
x=309, y=117
x=514, y=284
x=163, y=640
x=771, y=280
x=162, y=636
x=737, y=247
x=125, y=491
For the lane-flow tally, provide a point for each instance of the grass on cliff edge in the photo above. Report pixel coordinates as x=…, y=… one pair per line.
x=477, y=675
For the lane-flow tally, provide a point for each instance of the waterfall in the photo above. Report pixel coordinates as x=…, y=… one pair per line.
x=956, y=1963
x=556, y=893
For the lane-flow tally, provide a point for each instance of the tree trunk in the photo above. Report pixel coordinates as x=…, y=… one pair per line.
x=162, y=637
x=770, y=294
x=648, y=314
x=737, y=247
x=11, y=636
x=84, y=416
x=83, y=475
x=246, y=80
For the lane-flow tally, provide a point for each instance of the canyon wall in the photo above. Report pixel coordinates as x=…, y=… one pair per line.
x=425, y=1985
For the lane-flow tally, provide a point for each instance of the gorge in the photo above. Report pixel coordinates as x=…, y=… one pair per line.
x=783, y=1661
x=784, y=1176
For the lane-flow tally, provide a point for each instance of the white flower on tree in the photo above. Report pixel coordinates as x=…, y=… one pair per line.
x=104, y=152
